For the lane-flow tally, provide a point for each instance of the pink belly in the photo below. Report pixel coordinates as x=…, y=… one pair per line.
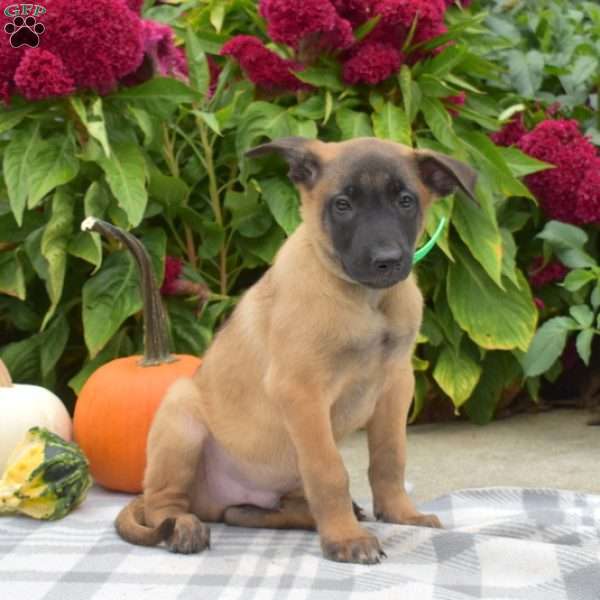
x=229, y=483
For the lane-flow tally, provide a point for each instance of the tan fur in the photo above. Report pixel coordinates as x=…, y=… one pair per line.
x=300, y=364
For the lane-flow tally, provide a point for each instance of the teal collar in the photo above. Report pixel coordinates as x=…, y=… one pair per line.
x=423, y=251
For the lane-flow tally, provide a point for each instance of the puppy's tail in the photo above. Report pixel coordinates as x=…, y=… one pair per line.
x=131, y=525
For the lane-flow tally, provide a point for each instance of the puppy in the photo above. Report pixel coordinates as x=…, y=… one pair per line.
x=319, y=347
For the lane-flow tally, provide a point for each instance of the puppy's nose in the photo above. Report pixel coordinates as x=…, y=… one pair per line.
x=387, y=259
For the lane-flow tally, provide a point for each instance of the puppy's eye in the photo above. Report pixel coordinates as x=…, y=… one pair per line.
x=343, y=204
x=405, y=200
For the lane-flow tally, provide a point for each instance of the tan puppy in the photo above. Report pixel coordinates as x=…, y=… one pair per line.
x=320, y=346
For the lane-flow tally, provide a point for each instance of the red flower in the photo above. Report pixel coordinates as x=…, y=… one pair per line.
x=160, y=48
x=214, y=71
x=561, y=144
x=264, y=68
x=588, y=195
x=135, y=5
x=511, y=133
x=397, y=17
x=541, y=275
x=98, y=42
x=371, y=63
x=289, y=20
x=354, y=11
x=457, y=100
x=41, y=75
x=173, y=268
x=539, y=303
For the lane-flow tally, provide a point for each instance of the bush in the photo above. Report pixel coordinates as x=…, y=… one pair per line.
x=165, y=157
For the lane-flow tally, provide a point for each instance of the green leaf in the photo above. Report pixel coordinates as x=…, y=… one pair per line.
x=509, y=256
x=54, y=247
x=19, y=157
x=582, y=314
x=108, y=298
x=526, y=71
x=583, y=344
x=52, y=344
x=217, y=15
x=353, y=124
x=481, y=235
x=361, y=32
x=119, y=345
x=547, y=345
x=500, y=371
x=94, y=122
x=439, y=121
x=563, y=235
x=249, y=218
x=391, y=123
x=210, y=119
x=12, y=278
x=595, y=297
x=494, y=319
x=420, y=397
x=163, y=89
x=266, y=246
x=282, y=200
x=521, y=164
x=188, y=334
x=146, y=123
x=445, y=61
x=457, y=374
x=405, y=81
x=321, y=78
x=577, y=279
x=126, y=176
x=55, y=164
x=581, y=74
x=199, y=73
x=11, y=117
x=84, y=246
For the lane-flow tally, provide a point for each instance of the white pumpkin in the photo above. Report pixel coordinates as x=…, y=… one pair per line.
x=25, y=406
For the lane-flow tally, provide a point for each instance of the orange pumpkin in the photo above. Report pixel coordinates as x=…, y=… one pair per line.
x=116, y=405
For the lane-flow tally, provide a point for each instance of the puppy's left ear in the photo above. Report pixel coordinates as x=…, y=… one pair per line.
x=305, y=166
x=442, y=174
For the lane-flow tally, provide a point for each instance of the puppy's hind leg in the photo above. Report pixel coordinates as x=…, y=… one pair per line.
x=174, y=453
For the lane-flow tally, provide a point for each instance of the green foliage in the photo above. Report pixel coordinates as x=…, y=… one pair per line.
x=166, y=158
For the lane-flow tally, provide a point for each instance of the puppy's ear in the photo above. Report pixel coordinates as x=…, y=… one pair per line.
x=305, y=166
x=442, y=174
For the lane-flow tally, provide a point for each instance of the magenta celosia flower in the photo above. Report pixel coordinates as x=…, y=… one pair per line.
x=159, y=46
x=135, y=5
x=214, y=71
x=561, y=144
x=288, y=21
x=371, y=63
x=588, y=195
x=397, y=17
x=354, y=11
x=511, y=133
x=9, y=56
x=41, y=74
x=173, y=268
x=457, y=100
x=262, y=66
x=541, y=275
x=340, y=37
x=98, y=42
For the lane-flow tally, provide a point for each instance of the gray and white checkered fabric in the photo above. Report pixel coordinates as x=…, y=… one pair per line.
x=499, y=543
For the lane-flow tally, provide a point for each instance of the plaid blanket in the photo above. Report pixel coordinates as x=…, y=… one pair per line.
x=499, y=543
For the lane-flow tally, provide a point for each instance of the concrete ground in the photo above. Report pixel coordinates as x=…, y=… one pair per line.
x=553, y=449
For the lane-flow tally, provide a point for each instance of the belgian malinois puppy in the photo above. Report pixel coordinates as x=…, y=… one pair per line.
x=319, y=347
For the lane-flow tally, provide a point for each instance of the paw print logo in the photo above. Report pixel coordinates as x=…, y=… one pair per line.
x=24, y=32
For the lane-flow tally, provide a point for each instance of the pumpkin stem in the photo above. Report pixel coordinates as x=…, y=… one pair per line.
x=156, y=340
x=5, y=379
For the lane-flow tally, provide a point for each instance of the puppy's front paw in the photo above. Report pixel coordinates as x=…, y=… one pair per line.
x=416, y=519
x=190, y=535
x=364, y=550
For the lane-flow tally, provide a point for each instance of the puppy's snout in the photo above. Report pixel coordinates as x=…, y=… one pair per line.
x=387, y=259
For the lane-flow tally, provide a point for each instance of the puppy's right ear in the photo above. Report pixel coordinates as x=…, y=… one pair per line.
x=305, y=166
